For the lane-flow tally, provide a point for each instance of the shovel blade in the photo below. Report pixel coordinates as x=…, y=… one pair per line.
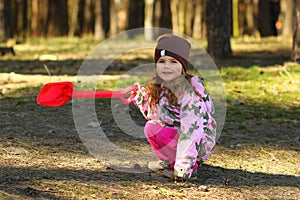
x=55, y=94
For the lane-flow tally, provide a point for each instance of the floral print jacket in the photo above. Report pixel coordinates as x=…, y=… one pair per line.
x=191, y=118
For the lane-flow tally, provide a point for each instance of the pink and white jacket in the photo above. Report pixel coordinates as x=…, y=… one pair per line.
x=191, y=118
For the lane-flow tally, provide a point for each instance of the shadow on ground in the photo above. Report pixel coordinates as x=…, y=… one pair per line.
x=14, y=180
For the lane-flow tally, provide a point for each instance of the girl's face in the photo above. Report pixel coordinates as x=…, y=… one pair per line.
x=168, y=68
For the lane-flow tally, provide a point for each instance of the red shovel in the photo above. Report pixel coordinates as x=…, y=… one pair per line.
x=59, y=93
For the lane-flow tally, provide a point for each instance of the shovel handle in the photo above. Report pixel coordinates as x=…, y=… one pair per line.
x=121, y=94
x=59, y=93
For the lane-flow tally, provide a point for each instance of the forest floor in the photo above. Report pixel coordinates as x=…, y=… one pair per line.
x=43, y=157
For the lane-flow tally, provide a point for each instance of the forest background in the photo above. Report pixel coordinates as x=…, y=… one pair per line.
x=198, y=19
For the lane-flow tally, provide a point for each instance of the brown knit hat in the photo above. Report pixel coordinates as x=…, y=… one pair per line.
x=171, y=45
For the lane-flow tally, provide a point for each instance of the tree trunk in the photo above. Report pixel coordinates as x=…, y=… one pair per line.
x=235, y=18
x=24, y=19
x=218, y=32
x=264, y=18
x=157, y=12
x=73, y=16
x=149, y=35
x=28, y=18
x=189, y=15
x=87, y=17
x=99, y=32
x=113, y=28
x=136, y=19
x=118, y=16
x=4, y=20
x=203, y=22
x=38, y=17
x=35, y=19
x=181, y=16
x=106, y=16
x=17, y=19
x=197, y=20
x=174, y=14
x=123, y=8
x=136, y=10
x=57, y=18
x=268, y=12
x=251, y=17
x=286, y=17
x=165, y=19
x=296, y=36
x=178, y=8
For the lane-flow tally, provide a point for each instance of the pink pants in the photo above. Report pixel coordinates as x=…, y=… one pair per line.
x=163, y=141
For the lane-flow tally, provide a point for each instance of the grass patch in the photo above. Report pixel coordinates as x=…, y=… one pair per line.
x=276, y=87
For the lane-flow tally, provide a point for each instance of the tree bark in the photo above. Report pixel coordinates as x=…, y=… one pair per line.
x=87, y=17
x=165, y=19
x=157, y=12
x=181, y=15
x=199, y=26
x=296, y=36
x=113, y=28
x=18, y=22
x=24, y=19
x=286, y=17
x=218, y=32
x=189, y=15
x=268, y=12
x=251, y=17
x=174, y=15
x=106, y=16
x=99, y=32
x=149, y=35
x=178, y=9
x=5, y=20
x=136, y=11
x=123, y=15
x=235, y=18
x=57, y=18
x=73, y=16
x=35, y=22
x=2, y=21
x=197, y=20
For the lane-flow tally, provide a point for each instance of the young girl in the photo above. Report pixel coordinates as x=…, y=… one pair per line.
x=178, y=108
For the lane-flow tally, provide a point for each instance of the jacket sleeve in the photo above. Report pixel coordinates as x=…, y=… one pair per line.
x=197, y=136
x=191, y=134
x=197, y=83
x=210, y=129
x=140, y=100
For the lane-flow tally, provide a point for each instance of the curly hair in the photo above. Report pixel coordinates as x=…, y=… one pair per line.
x=172, y=90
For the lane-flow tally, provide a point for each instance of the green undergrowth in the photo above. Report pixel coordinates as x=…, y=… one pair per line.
x=271, y=92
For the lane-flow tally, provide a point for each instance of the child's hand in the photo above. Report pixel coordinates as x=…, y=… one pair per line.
x=137, y=88
x=138, y=85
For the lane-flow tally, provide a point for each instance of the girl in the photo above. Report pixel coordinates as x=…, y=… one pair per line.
x=178, y=108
